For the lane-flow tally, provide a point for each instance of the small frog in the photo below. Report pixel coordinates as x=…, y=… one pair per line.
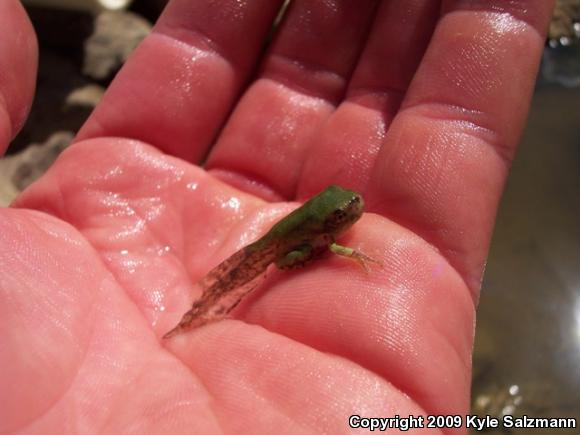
x=292, y=242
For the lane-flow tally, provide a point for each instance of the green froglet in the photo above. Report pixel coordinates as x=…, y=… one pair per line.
x=292, y=242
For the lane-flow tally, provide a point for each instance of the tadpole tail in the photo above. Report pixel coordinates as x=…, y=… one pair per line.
x=225, y=286
x=192, y=319
x=173, y=332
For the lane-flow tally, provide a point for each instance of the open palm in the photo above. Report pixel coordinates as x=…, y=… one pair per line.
x=418, y=108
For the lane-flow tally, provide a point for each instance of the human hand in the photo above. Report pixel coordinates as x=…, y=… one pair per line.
x=418, y=112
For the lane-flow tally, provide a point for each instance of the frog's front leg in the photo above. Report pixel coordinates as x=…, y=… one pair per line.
x=362, y=259
x=297, y=257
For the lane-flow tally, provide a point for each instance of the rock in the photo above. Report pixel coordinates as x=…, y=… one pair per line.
x=115, y=36
x=534, y=398
x=81, y=5
x=497, y=401
x=19, y=170
x=87, y=96
x=564, y=28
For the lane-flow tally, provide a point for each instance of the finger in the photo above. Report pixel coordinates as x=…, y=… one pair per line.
x=395, y=47
x=447, y=153
x=18, y=62
x=178, y=87
x=303, y=78
x=346, y=147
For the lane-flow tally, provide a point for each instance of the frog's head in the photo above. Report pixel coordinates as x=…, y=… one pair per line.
x=340, y=208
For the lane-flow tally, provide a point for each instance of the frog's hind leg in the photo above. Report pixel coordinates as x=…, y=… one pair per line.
x=362, y=259
x=298, y=257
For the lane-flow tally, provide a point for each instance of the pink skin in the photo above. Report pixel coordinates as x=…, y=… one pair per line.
x=419, y=112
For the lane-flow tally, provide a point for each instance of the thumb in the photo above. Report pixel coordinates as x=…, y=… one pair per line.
x=18, y=63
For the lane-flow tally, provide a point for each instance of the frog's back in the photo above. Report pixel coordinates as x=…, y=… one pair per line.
x=309, y=220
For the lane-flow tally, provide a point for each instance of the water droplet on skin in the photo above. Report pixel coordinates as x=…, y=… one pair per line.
x=157, y=298
x=233, y=203
x=163, y=250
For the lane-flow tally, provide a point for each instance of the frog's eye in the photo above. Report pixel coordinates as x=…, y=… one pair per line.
x=336, y=218
x=339, y=214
